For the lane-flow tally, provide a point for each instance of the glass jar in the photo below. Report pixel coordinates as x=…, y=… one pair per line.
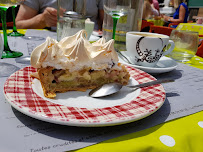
x=71, y=17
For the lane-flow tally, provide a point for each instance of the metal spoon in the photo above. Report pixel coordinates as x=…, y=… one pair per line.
x=111, y=88
x=122, y=56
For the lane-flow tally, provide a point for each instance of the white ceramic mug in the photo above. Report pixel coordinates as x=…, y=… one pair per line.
x=145, y=49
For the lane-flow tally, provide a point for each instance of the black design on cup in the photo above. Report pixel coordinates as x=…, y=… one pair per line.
x=161, y=41
x=147, y=54
x=139, y=52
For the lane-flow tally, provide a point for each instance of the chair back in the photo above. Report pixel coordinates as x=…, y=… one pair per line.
x=146, y=25
x=161, y=30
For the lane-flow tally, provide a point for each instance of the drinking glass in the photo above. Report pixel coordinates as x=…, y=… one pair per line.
x=15, y=33
x=7, y=52
x=116, y=9
x=186, y=45
x=71, y=17
x=6, y=69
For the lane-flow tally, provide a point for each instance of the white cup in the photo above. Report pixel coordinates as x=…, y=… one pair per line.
x=145, y=49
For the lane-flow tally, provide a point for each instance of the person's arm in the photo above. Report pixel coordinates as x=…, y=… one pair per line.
x=101, y=18
x=182, y=12
x=146, y=10
x=29, y=18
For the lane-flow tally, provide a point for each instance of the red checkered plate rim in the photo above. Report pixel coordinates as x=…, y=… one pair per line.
x=19, y=93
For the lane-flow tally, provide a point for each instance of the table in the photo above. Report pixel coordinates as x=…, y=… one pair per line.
x=181, y=134
x=184, y=134
x=191, y=27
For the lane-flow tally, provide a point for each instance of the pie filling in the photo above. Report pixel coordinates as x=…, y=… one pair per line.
x=59, y=80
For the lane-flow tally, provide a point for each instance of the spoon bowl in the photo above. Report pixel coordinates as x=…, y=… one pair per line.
x=111, y=88
x=105, y=90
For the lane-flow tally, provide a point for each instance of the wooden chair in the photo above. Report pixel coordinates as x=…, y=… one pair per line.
x=161, y=29
x=200, y=50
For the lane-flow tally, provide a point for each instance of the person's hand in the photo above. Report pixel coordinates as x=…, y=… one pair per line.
x=61, y=11
x=50, y=17
x=157, y=17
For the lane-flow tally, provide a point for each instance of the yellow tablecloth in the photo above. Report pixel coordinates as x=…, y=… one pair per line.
x=179, y=135
x=191, y=27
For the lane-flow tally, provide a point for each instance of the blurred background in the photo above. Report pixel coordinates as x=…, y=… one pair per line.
x=195, y=8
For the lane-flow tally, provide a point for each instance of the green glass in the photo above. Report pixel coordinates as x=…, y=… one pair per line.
x=15, y=33
x=116, y=9
x=7, y=52
x=115, y=20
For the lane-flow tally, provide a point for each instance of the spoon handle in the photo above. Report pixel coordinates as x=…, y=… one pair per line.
x=122, y=56
x=151, y=83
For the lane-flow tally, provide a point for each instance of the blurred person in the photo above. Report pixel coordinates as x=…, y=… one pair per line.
x=38, y=14
x=149, y=10
x=155, y=4
x=181, y=13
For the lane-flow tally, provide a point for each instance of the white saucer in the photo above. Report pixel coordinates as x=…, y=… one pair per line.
x=165, y=64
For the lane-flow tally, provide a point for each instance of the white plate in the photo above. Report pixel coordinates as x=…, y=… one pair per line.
x=77, y=108
x=165, y=64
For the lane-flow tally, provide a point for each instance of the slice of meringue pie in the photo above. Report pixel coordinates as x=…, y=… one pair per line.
x=74, y=64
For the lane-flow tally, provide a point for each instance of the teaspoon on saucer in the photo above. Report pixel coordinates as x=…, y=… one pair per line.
x=111, y=88
x=121, y=55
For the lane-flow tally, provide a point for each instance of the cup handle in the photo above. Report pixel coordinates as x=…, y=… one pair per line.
x=170, y=49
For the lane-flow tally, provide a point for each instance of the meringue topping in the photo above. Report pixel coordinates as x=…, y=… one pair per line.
x=74, y=53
